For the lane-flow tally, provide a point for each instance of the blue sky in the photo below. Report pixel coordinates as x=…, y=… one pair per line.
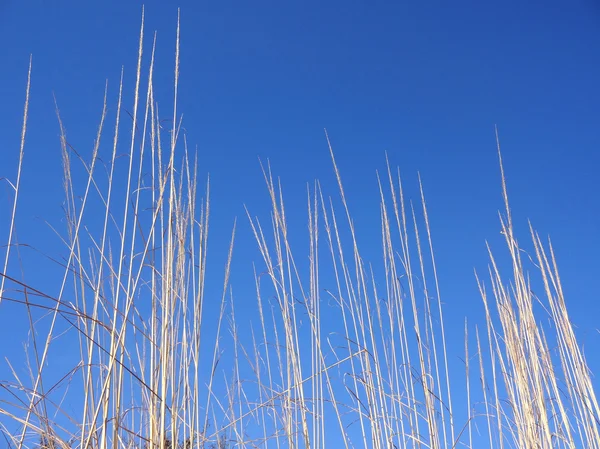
x=425, y=82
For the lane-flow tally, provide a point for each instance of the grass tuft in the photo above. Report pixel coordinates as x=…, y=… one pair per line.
x=325, y=362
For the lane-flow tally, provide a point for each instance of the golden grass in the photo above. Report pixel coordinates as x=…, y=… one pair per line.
x=363, y=372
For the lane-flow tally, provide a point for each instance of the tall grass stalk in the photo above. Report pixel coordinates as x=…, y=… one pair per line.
x=326, y=363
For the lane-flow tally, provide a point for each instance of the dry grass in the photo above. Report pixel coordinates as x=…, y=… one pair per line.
x=361, y=372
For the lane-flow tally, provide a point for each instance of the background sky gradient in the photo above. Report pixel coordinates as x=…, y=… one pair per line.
x=425, y=82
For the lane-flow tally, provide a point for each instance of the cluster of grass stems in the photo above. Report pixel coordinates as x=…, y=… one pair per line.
x=361, y=372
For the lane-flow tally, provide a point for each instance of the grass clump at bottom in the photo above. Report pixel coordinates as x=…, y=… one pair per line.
x=363, y=373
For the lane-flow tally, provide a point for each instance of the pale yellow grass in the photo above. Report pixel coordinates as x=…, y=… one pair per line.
x=134, y=294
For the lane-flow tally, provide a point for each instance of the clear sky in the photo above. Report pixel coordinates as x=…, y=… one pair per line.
x=425, y=82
